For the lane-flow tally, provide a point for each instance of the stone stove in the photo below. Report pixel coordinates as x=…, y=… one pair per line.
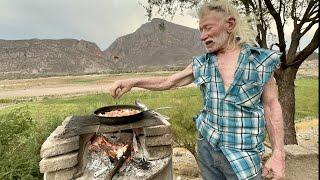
x=65, y=152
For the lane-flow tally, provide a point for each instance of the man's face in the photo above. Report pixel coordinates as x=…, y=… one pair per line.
x=213, y=32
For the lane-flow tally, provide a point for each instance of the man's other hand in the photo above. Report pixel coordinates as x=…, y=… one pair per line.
x=275, y=167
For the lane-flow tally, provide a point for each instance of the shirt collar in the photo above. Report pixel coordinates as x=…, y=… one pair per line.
x=246, y=48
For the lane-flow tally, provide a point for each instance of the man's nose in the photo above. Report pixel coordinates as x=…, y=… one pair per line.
x=203, y=36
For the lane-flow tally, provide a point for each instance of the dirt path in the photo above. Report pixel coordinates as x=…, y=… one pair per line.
x=54, y=86
x=305, y=167
x=54, y=90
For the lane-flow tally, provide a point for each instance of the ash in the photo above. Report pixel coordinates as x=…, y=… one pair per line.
x=102, y=166
x=133, y=171
x=99, y=164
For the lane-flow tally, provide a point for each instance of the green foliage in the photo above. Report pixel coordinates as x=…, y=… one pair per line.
x=16, y=123
x=168, y=7
x=19, y=145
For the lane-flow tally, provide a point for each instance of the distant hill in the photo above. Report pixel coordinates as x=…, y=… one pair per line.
x=34, y=57
x=155, y=45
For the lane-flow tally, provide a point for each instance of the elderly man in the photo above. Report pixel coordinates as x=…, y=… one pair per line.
x=239, y=94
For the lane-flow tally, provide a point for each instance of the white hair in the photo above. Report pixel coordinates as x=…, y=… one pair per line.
x=243, y=33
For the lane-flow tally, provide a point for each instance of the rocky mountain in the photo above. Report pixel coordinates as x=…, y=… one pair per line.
x=155, y=45
x=34, y=57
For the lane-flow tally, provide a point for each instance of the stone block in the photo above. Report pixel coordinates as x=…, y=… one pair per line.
x=157, y=130
x=64, y=174
x=161, y=140
x=57, y=131
x=59, y=162
x=77, y=125
x=159, y=152
x=184, y=163
x=66, y=120
x=55, y=146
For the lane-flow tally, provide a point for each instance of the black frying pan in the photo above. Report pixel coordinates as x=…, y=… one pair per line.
x=118, y=120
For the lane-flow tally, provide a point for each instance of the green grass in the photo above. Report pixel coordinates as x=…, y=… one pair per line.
x=24, y=127
x=307, y=93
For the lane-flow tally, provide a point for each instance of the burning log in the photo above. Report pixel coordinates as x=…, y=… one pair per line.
x=122, y=159
x=101, y=144
x=119, y=152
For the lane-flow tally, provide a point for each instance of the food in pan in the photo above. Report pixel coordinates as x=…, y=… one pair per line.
x=119, y=113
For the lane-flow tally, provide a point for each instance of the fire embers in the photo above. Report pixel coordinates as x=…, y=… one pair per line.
x=113, y=153
x=102, y=146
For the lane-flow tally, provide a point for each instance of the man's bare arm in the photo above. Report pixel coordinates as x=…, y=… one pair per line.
x=274, y=124
x=179, y=79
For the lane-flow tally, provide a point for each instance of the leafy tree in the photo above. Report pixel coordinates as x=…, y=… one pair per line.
x=303, y=14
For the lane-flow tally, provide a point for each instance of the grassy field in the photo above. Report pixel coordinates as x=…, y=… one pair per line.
x=73, y=80
x=307, y=98
x=24, y=127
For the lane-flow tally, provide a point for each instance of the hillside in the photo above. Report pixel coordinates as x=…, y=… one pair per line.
x=155, y=45
x=34, y=57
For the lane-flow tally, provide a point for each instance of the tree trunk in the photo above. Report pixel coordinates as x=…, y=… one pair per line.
x=285, y=81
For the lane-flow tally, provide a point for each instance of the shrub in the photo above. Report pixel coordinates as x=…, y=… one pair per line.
x=19, y=145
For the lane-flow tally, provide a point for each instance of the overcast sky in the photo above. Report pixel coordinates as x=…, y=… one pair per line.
x=99, y=21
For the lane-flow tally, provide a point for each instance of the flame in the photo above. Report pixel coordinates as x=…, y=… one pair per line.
x=100, y=144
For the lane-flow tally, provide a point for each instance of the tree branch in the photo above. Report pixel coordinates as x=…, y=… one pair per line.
x=280, y=6
x=277, y=18
x=313, y=10
x=309, y=27
x=306, y=14
x=284, y=13
x=293, y=13
x=313, y=18
x=307, y=51
x=271, y=8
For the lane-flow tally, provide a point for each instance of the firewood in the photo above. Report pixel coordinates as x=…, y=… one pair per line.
x=122, y=159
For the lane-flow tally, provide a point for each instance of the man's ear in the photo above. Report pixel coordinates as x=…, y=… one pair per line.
x=230, y=24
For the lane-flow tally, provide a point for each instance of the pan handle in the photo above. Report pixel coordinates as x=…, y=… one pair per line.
x=167, y=107
x=145, y=108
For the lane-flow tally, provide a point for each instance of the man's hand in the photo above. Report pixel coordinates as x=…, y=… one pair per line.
x=178, y=79
x=118, y=88
x=275, y=167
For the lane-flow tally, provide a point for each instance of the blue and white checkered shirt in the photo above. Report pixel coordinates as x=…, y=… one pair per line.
x=233, y=121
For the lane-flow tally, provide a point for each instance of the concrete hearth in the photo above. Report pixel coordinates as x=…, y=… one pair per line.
x=62, y=152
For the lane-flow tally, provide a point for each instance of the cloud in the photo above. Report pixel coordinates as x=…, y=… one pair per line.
x=99, y=21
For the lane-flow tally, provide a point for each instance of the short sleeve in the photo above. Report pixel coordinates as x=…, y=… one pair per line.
x=272, y=63
x=198, y=70
x=267, y=61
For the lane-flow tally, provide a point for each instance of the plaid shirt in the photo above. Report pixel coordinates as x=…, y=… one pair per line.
x=233, y=120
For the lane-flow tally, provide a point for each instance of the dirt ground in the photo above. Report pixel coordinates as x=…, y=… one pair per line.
x=307, y=167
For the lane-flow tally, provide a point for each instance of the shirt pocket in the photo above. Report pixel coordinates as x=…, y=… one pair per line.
x=249, y=93
x=203, y=82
